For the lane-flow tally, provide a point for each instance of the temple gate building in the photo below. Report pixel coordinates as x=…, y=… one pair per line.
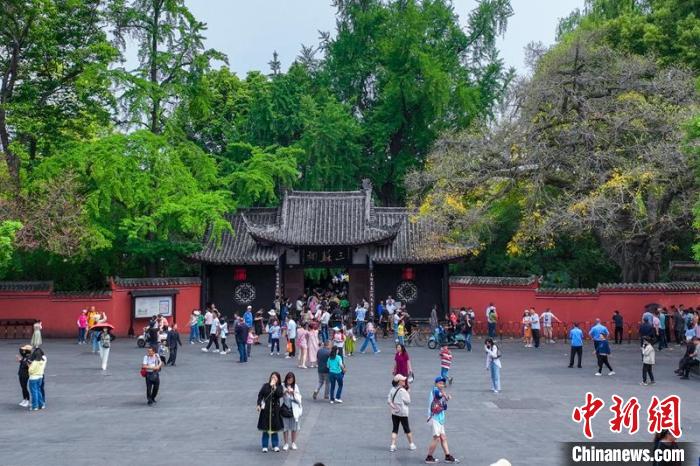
x=384, y=251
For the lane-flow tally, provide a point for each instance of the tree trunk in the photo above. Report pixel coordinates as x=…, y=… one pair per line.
x=639, y=259
x=155, y=101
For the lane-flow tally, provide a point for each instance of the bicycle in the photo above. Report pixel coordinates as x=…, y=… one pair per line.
x=417, y=337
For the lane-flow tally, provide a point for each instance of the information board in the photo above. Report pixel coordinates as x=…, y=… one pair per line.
x=147, y=306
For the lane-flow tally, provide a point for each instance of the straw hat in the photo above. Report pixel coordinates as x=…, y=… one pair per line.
x=26, y=347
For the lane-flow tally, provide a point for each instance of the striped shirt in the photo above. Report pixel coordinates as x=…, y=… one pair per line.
x=445, y=359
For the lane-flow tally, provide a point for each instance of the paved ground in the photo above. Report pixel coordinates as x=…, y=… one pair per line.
x=206, y=414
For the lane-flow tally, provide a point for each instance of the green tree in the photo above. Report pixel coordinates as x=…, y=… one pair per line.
x=596, y=148
x=666, y=29
x=54, y=60
x=172, y=58
x=409, y=72
x=145, y=195
x=8, y=230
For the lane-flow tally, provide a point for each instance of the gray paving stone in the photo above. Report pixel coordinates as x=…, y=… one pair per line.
x=206, y=409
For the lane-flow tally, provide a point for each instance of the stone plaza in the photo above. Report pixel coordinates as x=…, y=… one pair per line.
x=206, y=407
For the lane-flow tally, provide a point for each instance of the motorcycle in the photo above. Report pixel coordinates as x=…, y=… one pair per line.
x=440, y=338
x=142, y=340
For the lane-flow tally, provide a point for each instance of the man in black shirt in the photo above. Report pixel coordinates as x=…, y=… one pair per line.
x=173, y=339
x=617, y=319
x=241, y=332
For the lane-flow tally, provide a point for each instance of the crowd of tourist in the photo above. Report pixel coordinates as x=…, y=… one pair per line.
x=320, y=332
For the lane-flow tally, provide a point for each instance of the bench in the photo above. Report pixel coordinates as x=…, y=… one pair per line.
x=16, y=329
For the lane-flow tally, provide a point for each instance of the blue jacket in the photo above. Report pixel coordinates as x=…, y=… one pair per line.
x=603, y=347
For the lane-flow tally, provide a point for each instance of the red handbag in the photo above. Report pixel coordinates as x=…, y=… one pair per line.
x=143, y=372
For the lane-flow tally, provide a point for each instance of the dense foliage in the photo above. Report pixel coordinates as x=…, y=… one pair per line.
x=115, y=171
x=596, y=156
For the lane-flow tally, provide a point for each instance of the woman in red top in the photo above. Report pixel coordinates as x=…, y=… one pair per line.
x=402, y=363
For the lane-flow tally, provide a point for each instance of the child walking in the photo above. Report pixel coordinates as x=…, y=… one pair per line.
x=401, y=333
x=648, y=361
x=349, y=340
x=250, y=341
x=445, y=363
x=602, y=351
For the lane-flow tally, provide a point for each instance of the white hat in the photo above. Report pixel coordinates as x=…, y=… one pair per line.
x=501, y=462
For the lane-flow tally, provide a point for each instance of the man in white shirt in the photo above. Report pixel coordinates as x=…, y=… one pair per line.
x=325, y=319
x=208, y=316
x=360, y=312
x=535, y=326
x=291, y=337
x=547, y=317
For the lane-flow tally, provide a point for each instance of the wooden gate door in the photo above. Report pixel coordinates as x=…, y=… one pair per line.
x=359, y=286
x=293, y=283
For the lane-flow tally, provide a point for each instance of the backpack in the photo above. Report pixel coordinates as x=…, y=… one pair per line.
x=392, y=401
x=437, y=406
x=105, y=340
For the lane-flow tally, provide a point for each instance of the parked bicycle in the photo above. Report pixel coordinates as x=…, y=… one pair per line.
x=418, y=336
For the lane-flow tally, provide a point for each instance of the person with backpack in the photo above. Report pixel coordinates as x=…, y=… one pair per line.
x=437, y=405
x=291, y=411
x=150, y=369
x=398, y=400
x=105, y=340
x=493, y=364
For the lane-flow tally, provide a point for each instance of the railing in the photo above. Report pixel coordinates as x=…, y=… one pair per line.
x=16, y=329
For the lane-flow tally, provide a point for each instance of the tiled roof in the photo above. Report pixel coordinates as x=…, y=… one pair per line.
x=343, y=218
x=565, y=291
x=668, y=286
x=26, y=286
x=500, y=281
x=239, y=247
x=82, y=294
x=416, y=240
x=167, y=281
x=322, y=218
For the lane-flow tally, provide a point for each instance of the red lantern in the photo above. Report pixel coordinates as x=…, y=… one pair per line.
x=408, y=274
x=240, y=274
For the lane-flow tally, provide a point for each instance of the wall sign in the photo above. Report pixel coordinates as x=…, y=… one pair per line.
x=326, y=256
x=147, y=306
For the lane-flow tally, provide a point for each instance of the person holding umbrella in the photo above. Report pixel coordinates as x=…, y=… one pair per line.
x=105, y=340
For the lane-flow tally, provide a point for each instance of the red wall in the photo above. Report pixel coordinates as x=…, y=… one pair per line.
x=568, y=305
x=59, y=312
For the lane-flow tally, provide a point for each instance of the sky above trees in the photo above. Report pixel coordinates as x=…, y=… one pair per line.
x=248, y=33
